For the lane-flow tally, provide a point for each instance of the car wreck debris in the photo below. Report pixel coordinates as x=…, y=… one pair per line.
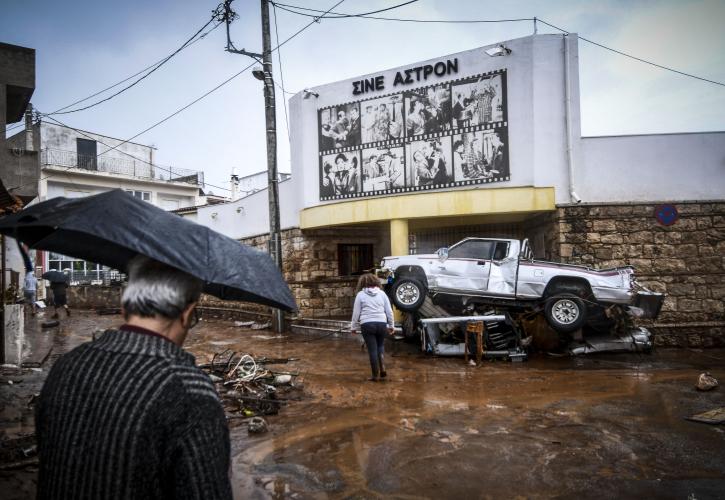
x=247, y=387
x=549, y=306
x=706, y=382
x=257, y=425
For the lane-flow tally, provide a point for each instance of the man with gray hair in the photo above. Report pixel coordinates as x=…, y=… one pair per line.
x=129, y=415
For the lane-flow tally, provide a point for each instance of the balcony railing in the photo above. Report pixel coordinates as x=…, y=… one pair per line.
x=122, y=166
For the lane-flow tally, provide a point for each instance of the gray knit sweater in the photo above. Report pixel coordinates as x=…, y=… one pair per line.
x=131, y=416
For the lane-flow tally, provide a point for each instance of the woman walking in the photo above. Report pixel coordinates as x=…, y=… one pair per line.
x=373, y=316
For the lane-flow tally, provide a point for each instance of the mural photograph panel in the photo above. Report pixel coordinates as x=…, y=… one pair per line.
x=478, y=101
x=382, y=169
x=340, y=174
x=382, y=119
x=480, y=155
x=339, y=126
x=428, y=162
x=428, y=110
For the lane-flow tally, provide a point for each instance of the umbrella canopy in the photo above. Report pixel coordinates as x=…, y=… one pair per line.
x=55, y=277
x=113, y=227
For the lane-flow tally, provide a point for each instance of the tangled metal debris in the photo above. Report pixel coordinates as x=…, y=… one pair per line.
x=247, y=386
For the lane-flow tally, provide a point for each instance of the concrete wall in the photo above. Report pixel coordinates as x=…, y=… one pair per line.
x=670, y=167
x=249, y=216
x=19, y=169
x=63, y=138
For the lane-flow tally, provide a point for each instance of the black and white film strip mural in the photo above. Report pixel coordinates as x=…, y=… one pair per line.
x=444, y=135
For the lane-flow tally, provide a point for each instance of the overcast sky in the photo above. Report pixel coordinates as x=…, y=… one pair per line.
x=83, y=46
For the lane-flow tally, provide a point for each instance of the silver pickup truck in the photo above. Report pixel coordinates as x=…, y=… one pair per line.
x=503, y=273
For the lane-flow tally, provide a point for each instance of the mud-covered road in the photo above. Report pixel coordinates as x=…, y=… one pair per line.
x=597, y=427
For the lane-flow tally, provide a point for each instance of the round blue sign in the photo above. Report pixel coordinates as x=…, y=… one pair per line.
x=666, y=214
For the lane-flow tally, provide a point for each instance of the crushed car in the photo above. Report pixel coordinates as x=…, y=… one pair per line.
x=500, y=276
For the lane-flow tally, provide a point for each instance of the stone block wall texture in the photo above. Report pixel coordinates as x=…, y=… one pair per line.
x=685, y=260
x=310, y=266
x=92, y=296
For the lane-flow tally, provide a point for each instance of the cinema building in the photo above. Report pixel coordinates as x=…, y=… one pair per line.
x=410, y=159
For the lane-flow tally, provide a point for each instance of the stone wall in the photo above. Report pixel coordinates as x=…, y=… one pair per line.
x=310, y=266
x=685, y=260
x=91, y=296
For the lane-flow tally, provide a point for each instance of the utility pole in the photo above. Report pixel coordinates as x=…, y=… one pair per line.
x=275, y=241
x=270, y=110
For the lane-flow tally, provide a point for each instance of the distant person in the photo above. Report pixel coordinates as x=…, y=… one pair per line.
x=30, y=288
x=373, y=316
x=130, y=415
x=60, y=296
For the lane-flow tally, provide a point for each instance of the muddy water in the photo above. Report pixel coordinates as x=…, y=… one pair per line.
x=610, y=426
x=594, y=427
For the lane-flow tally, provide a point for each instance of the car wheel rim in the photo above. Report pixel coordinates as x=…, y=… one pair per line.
x=407, y=294
x=565, y=311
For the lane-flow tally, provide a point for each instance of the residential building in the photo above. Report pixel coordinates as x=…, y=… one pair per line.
x=248, y=184
x=413, y=158
x=76, y=163
x=19, y=168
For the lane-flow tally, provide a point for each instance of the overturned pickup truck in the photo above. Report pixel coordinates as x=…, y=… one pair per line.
x=491, y=274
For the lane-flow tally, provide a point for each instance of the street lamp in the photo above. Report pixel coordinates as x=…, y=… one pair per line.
x=258, y=73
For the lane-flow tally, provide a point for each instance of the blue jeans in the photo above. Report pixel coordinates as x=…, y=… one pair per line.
x=374, y=335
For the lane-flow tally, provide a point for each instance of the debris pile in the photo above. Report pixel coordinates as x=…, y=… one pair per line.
x=706, y=382
x=249, y=388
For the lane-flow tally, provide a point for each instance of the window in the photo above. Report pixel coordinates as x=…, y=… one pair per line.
x=81, y=271
x=472, y=249
x=502, y=250
x=86, y=154
x=141, y=195
x=354, y=259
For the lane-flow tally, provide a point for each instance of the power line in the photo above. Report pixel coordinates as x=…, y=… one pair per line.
x=136, y=82
x=201, y=37
x=81, y=132
x=288, y=8
x=111, y=148
x=566, y=32
x=339, y=16
x=215, y=88
x=281, y=74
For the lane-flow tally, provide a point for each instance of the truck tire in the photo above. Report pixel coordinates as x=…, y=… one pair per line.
x=408, y=294
x=565, y=312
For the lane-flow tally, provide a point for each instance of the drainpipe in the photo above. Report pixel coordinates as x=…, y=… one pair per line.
x=567, y=120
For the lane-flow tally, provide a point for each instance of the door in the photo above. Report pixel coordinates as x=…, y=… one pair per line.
x=86, y=153
x=467, y=268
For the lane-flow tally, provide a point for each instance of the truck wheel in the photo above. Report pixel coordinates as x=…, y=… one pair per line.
x=408, y=294
x=565, y=313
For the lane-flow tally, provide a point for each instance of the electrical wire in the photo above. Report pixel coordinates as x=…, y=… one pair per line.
x=281, y=74
x=201, y=37
x=121, y=151
x=183, y=108
x=297, y=33
x=136, y=82
x=339, y=16
x=288, y=7
x=566, y=32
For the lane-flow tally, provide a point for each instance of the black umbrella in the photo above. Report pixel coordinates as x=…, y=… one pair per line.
x=55, y=277
x=113, y=227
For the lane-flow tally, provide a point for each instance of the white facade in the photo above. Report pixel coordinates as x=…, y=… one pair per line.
x=66, y=172
x=76, y=164
x=545, y=147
